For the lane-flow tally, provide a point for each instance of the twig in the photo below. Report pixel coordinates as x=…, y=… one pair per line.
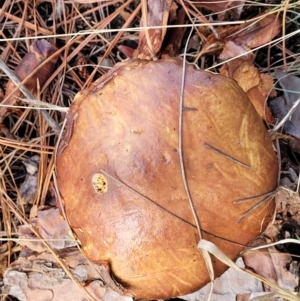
x=145, y=20
x=226, y=156
x=37, y=103
x=30, y=98
x=253, y=208
x=286, y=117
x=145, y=197
x=180, y=134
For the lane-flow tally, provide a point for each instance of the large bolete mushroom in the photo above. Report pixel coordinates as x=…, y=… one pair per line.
x=120, y=178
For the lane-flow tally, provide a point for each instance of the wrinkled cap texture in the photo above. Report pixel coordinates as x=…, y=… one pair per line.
x=121, y=183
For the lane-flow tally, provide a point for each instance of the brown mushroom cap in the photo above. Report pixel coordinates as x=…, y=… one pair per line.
x=120, y=178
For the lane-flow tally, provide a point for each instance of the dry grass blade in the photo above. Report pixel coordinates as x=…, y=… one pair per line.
x=288, y=115
x=211, y=248
x=283, y=241
x=30, y=98
x=180, y=150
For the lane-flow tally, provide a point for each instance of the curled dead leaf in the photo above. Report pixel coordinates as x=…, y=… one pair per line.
x=271, y=264
x=236, y=40
x=223, y=8
x=40, y=50
x=52, y=227
x=257, y=86
x=151, y=40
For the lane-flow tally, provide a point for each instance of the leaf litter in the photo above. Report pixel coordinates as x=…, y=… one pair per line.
x=27, y=128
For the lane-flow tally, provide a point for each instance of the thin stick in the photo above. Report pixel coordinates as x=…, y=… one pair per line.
x=226, y=156
x=264, y=195
x=30, y=98
x=145, y=21
x=180, y=134
x=268, y=197
x=286, y=117
x=285, y=8
x=146, y=197
x=279, y=161
x=37, y=103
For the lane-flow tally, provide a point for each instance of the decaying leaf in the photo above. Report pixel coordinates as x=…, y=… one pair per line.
x=28, y=188
x=241, y=38
x=150, y=41
x=40, y=50
x=262, y=270
x=172, y=41
x=223, y=8
x=229, y=287
x=175, y=36
x=3, y=258
x=288, y=211
x=39, y=277
x=258, y=86
x=288, y=204
x=81, y=63
x=52, y=227
x=271, y=264
x=282, y=105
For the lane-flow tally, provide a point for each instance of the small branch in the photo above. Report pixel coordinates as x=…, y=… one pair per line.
x=286, y=117
x=145, y=197
x=30, y=98
x=37, y=105
x=226, y=156
x=253, y=208
x=264, y=195
x=180, y=138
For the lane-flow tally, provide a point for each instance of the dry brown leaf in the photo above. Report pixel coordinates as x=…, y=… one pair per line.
x=259, y=102
x=288, y=202
x=232, y=50
x=38, y=277
x=257, y=33
x=281, y=106
x=243, y=37
x=28, y=239
x=40, y=50
x=271, y=264
x=28, y=188
x=243, y=297
x=228, y=287
x=52, y=227
x=151, y=40
x=257, y=86
x=174, y=37
x=223, y=8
